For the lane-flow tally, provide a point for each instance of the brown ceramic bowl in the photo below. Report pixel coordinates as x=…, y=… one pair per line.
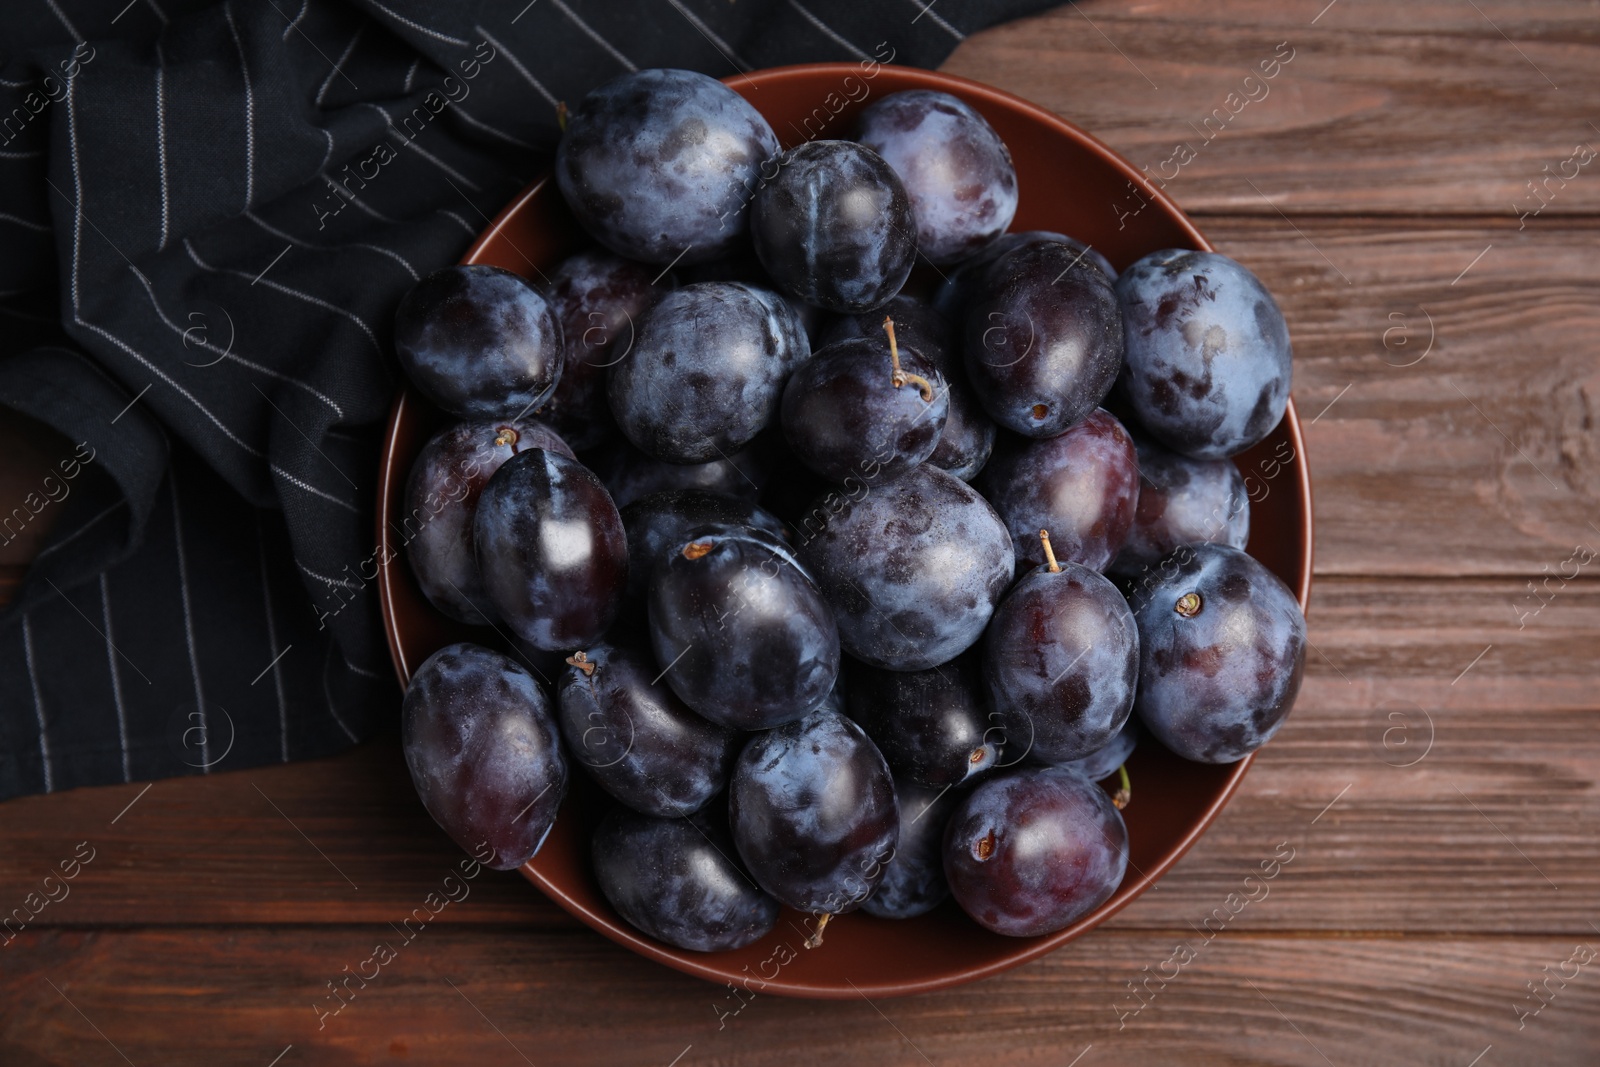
x=1069, y=182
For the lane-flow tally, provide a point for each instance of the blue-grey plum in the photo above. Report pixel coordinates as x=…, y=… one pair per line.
x=441, y=498
x=914, y=882
x=740, y=631
x=1208, y=362
x=1182, y=501
x=813, y=813
x=661, y=522
x=933, y=726
x=675, y=879
x=479, y=341
x=968, y=435
x=598, y=297
x=956, y=170
x=913, y=568
x=707, y=370
x=1044, y=338
x=1061, y=660
x=833, y=226
x=551, y=549
x=660, y=165
x=1029, y=852
x=1104, y=761
x=1081, y=485
x=866, y=408
x=633, y=736
x=484, y=753
x=745, y=267
x=1222, y=650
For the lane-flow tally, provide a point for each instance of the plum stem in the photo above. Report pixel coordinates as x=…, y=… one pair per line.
x=696, y=549
x=815, y=940
x=1124, y=791
x=1049, y=553
x=507, y=436
x=580, y=660
x=561, y=115
x=897, y=376
x=1188, y=605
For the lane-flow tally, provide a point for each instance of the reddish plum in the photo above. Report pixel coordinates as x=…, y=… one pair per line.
x=1081, y=485
x=1032, y=851
x=552, y=551
x=484, y=753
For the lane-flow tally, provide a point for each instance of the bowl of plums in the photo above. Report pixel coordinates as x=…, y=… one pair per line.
x=845, y=531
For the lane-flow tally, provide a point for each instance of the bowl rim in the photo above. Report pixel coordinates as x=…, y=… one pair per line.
x=703, y=965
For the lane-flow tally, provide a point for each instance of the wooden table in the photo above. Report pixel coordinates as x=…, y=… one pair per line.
x=1436, y=784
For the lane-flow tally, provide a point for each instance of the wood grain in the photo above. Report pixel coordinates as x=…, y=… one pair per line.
x=1418, y=108
x=1478, y=458
x=1439, y=780
x=1475, y=456
x=1465, y=801
x=510, y=996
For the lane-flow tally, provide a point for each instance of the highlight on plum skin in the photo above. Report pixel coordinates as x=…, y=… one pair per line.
x=837, y=585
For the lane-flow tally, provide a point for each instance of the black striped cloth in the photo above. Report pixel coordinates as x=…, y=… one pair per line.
x=187, y=298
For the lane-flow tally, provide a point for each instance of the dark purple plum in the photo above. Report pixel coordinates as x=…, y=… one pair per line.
x=813, y=813
x=1032, y=851
x=661, y=522
x=1081, y=485
x=969, y=433
x=1043, y=341
x=1061, y=660
x=951, y=297
x=675, y=879
x=483, y=751
x=551, y=549
x=933, y=726
x=1222, y=649
x=745, y=267
x=914, y=882
x=740, y=630
x=916, y=325
x=913, y=568
x=479, y=341
x=639, y=741
x=956, y=170
x=1208, y=363
x=833, y=226
x=864, y=408
x=1183, y=501
x=598, y=297
x=441, y=499
x=660, y=165
x=631, y=475
x=1104, y=761
x=707, y=370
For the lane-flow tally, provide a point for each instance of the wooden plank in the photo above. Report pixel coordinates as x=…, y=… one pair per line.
x=1427, y=108
x=1475, y=456
x=512, y=996
x=1491, y=829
